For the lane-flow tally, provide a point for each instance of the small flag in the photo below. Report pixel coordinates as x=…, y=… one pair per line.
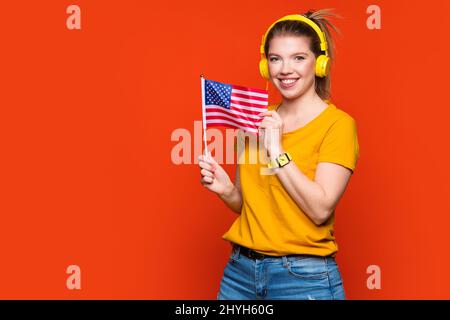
x=233, y=106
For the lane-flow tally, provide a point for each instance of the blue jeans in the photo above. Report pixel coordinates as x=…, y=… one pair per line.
x=287, y=277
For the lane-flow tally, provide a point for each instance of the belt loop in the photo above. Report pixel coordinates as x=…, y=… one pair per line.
x=285, y=261
x=238, y=251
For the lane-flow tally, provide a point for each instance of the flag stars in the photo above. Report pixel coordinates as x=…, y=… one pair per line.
x=218, y=93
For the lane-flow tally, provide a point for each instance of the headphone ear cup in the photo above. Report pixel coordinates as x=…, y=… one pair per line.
x=322, y=66
x=264, y=68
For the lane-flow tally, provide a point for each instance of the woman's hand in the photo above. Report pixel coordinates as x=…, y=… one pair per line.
x=214, y=177
x=273, y=130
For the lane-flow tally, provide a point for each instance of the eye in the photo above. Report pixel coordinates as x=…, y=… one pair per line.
x=272, y=59
x=300, y=58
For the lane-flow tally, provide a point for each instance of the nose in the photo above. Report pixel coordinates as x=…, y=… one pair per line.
x=285, y=68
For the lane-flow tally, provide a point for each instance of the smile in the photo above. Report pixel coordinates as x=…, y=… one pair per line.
x=287, y=83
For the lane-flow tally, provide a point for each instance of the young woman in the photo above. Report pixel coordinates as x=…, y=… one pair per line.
x=283, y=244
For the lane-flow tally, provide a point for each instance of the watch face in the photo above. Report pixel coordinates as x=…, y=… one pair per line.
x=283, y=161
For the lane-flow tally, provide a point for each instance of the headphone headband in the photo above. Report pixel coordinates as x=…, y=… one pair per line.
x=299, y=17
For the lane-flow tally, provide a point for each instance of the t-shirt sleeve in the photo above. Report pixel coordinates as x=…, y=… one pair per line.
x=340, y=144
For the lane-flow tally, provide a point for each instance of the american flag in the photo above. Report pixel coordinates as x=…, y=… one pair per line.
x=233, y=106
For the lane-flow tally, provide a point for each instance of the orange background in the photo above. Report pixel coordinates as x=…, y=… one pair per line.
x=86, y=121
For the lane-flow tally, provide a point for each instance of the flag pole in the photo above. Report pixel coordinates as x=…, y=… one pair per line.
x=202, y=82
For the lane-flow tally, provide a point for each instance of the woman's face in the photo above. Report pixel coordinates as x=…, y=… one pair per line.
x=291, y=65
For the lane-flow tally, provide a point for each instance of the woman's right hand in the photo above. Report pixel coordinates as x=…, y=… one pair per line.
x=214, y=177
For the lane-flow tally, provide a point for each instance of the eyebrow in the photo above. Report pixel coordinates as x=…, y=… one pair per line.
x=297, y=53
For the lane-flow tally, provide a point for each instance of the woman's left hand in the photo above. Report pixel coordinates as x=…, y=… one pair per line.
x=273, y=130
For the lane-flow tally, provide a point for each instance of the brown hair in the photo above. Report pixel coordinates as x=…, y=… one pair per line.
x=298, y=28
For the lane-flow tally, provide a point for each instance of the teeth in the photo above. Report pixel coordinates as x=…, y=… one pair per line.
x=287, y=81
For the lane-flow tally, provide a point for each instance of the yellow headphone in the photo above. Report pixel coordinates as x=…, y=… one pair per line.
x=322, y=61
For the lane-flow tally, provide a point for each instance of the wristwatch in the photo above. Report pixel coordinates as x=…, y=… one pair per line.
x=280, y=161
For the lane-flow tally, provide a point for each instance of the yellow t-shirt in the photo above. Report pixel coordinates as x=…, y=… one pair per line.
x=270, y=221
